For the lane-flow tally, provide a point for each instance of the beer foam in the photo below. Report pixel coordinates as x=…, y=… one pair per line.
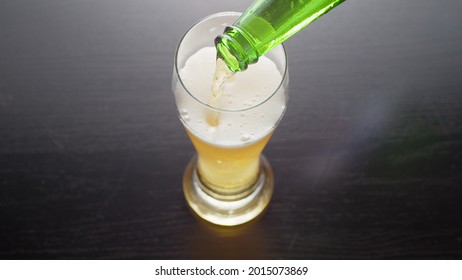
x=246, y=111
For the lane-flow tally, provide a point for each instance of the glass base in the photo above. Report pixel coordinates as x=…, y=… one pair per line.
x=228, y=212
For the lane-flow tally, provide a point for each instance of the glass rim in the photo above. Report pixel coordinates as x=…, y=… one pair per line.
x=177, y=70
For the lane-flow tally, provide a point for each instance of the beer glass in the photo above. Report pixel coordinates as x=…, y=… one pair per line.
x=229, y=181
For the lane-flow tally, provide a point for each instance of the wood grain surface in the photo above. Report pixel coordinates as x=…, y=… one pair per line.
x=367, y=159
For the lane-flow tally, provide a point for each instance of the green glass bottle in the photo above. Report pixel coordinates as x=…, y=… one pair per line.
x=264, y=25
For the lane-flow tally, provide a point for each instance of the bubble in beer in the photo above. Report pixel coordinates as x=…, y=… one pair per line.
x=246, y=137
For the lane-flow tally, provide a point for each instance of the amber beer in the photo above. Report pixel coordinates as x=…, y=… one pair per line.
x=228, y=170
x=230, y=136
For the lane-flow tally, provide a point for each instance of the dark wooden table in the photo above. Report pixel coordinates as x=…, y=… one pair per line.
x=367, y=160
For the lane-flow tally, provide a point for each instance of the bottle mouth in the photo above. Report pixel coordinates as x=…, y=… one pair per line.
x=231, y=52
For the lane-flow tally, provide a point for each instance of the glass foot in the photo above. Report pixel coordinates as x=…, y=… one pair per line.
x=228, y=212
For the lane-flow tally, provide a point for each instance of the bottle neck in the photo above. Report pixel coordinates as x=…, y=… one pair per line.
x=235, y=48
